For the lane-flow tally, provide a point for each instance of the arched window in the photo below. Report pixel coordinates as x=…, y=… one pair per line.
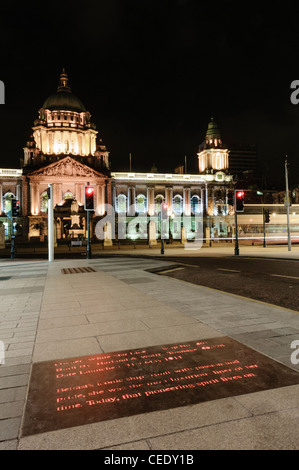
x=68, y=195
x=177, y=204
x=7, y=202
x=158, y=201
x=195, y=204
x=121, y=204
x=44, y=202
x=141, y=204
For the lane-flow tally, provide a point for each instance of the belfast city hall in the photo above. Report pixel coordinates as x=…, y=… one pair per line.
x=65, y=150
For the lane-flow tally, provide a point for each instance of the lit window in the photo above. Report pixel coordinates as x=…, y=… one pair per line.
x=158, y=201
x=7, y=202
x=195, y=206
x=44, y=202
x=68, y=195
x=121, y=203
x=141, y=203
x=177, y=204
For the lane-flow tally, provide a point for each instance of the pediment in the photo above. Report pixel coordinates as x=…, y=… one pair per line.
x=67, y=168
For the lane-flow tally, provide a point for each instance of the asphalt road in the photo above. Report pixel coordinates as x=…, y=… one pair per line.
x=268, y=280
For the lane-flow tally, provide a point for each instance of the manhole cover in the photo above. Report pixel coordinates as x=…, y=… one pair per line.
x=78, y=270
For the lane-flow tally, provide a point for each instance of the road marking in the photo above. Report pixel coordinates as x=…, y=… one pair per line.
x=170, y=270
x=230, y=270
x=281, y=275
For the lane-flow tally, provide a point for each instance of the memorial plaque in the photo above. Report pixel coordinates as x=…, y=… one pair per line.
x=83, y=390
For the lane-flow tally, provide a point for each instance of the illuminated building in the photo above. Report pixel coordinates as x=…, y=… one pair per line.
x=65, y=150
x=212, y=156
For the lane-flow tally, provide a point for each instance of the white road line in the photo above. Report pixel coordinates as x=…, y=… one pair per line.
x=230, y=270
x=170, y=270
x=281, y=275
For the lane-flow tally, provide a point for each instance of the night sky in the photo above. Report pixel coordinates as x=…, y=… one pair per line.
x=153, y=72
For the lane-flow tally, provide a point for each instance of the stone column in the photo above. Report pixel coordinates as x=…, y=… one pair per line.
x=100, y=199
x=151, y=201
x=152, y=233
x=187, y=202
x=131, y=201
x=57, y=193
x=168, y=199
x=202, y=204
x=108, y=234
x=34, y=199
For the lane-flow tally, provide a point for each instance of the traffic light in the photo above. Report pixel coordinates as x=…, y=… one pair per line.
x=164, y=211
x=240, y=201
x=89, y=198
x=267, y=216
x=15, y=207
x=230, y=198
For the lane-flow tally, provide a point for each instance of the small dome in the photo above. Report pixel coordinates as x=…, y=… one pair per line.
x=64, y=99
x=213, y=130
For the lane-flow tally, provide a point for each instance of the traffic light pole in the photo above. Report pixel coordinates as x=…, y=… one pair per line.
x=88, y=247
x=12, y=240
x=264, y=228
x=50, y=224
x=236, y=227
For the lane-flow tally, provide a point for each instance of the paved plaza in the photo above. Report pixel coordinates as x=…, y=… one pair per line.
x=48, y=314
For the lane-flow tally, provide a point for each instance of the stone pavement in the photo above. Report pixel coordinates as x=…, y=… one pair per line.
x=47, y=315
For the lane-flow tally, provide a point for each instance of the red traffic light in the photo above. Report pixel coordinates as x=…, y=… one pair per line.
x=15, y=207
x=89, y=200
x=89, y=190
x=240, y=196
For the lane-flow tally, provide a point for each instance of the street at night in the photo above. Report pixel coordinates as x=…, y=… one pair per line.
x=267, y=280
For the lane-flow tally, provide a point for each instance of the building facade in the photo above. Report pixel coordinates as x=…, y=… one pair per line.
x=65, y=150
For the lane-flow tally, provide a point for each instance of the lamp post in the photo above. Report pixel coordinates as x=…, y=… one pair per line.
x=50, y=223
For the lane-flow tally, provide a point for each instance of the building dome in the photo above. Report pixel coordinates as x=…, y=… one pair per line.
x=64, y=99
x=213, y=131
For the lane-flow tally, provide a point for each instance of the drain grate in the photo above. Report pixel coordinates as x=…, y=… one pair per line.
x=78, y=270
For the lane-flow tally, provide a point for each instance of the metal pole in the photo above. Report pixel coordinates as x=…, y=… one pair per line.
x=236, y=227
x=287, y=203
x=50, y=224
x=88, y=250
x=12, y=240
x=264, y=216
